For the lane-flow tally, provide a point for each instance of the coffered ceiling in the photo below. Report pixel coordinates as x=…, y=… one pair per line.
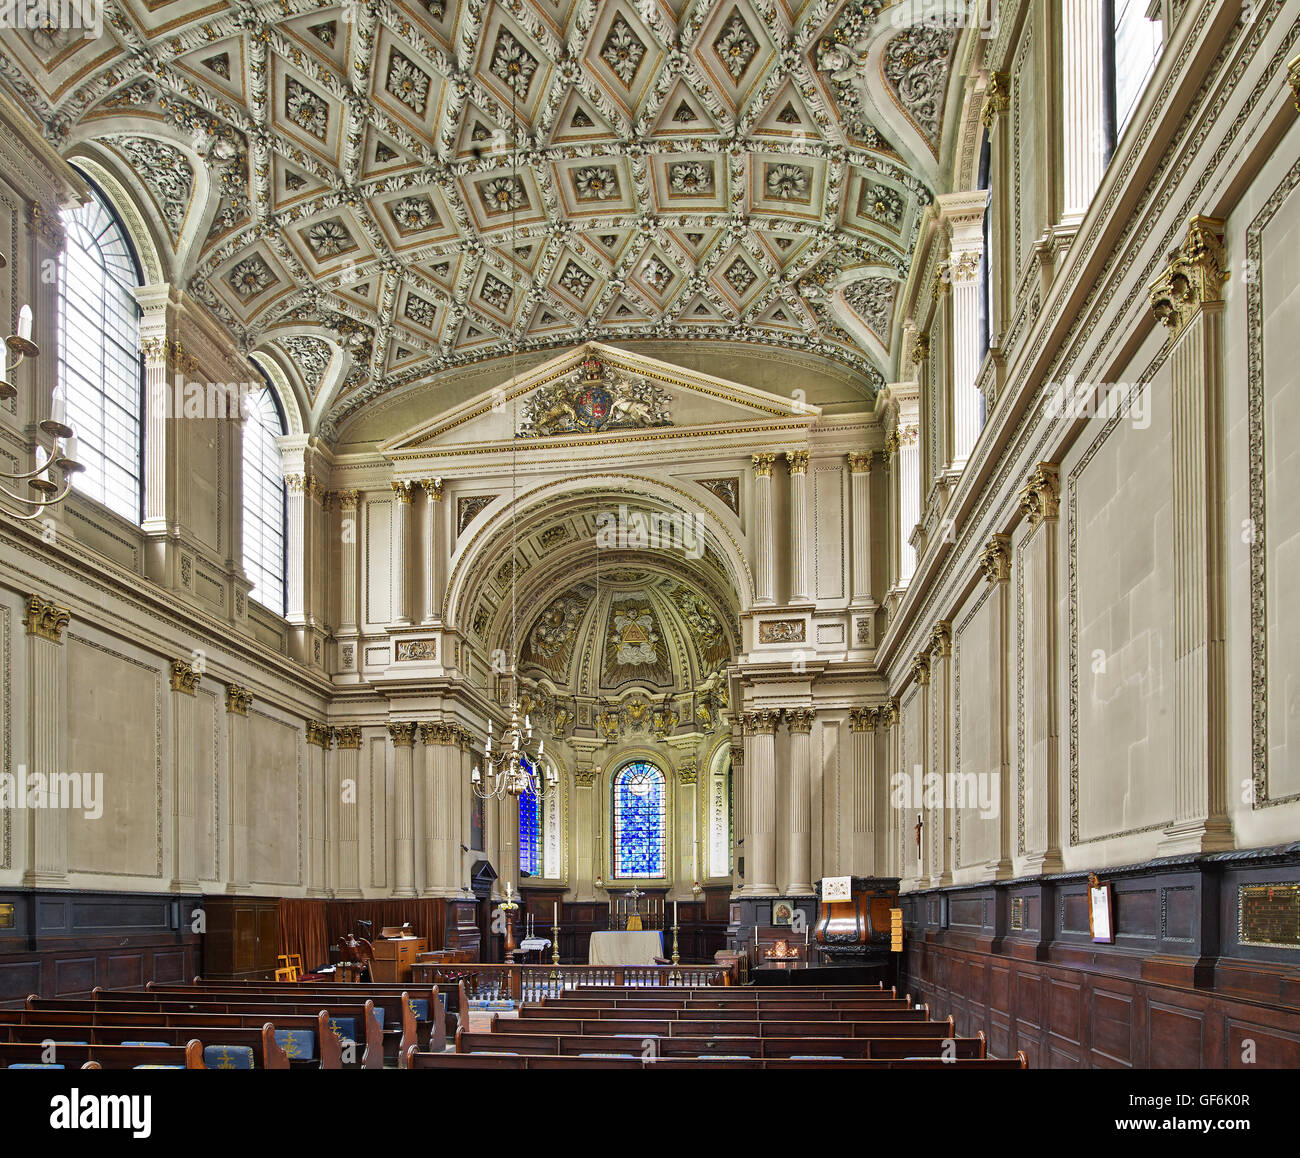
x=372, y=194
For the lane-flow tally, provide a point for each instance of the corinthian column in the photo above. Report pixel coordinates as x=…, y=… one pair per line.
x=441, y=766
x=860, y=500
x=433, y=561
x=295, y=515
x=760, y=841
x=184, y=684
x=401, y=532
x=47, y=853
x=863, y=721
x=1188, y=299
x=403, y=808
x=799, y=870
x=765, y=535
x=349, y=854
x=800, y=584
x=964, y=214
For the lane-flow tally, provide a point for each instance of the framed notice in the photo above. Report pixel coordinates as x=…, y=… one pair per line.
x=837, y=889
x=1100, y=912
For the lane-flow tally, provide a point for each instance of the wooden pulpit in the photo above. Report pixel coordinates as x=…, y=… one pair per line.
x=853, y=921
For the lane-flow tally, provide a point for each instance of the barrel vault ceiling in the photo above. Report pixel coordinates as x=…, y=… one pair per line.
x=374, y=194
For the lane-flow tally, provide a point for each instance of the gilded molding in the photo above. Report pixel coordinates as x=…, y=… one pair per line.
x=185, y=677
x=997, y=98
x=1293, y=79
x=1040, y=497
x=797, y=460
x=402, y=491
x=319, y=734
x=348, y=736
x=1194, y=277
x=763, y=465
x=238, y=700
x=859, y=463
x=995, y=559
x=403, y=735
x=46, y=619
x=433, y=487
x=800, y=719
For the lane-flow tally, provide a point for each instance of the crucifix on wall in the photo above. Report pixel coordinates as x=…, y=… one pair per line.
x=920, y=825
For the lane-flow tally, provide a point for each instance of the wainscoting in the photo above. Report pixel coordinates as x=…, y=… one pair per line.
x=1177, y=989
x=64, y=943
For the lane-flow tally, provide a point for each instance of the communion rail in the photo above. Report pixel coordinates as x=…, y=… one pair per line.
x=533, y=982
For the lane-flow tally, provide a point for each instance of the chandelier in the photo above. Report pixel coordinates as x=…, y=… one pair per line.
x=509, y=767
x=61, y=453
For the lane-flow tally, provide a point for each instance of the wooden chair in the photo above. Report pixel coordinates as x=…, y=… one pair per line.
x=288, y=973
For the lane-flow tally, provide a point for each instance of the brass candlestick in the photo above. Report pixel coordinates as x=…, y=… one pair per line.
x=555, y=944
x=677, y=960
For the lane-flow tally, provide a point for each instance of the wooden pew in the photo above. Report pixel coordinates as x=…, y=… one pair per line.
x=471, y=1061
x=17, y=1025
x=391, y=998
x=694, y=1029
x=362, y=1013
x=107, y=1057
x=751, y=1013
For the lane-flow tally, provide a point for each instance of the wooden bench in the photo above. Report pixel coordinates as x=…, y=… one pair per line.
x=751, y=1013
x=483, y=1061
x=362, y=1014
x=766, y=1028
x=69, y=1056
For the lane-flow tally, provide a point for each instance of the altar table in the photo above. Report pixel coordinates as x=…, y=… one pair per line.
x=616, y=947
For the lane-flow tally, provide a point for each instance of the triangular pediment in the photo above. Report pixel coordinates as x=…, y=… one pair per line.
x=600, y=393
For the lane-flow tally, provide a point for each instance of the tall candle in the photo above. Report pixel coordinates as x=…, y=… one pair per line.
x=674, y=913
x=555, y=912
x=25, y=323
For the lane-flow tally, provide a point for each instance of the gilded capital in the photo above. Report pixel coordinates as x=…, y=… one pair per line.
x=348, y=500
x=800, y=719
x=432, y=488
x=348, y=736
x=763, y=465
x=238, y=700
x=921, y=668
x=296, y=483
x=319, y=734
x=185, y=677
x=864, y=719
x=797, y=460
x=1040, y=497
x=1194, y=276
x=939, y=284
x=689, y=772
x=941, y=639
x=586, y=777
x=995, y=559
x=403, y=735
x=402, y=491
x=893, y=440
x=46, y=619
x=997, y=98
x=920, y=348
x=737, y=755
x=859, y=463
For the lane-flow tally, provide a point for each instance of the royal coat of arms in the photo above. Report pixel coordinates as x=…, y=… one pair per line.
x=591, y=399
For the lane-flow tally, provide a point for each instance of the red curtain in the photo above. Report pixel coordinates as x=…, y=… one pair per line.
x=302, y=929
x=310, y=925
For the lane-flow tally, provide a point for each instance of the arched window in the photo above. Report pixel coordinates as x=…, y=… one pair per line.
x=530, y=836
x=640, y=835
x=264, y=502
x=99, y=366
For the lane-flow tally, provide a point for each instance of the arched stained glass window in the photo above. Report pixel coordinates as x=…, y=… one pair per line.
x=100, y=371
x=640, y=836
x=530, y=836
x=264, y=502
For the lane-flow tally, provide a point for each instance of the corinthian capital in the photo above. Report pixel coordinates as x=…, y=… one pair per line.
x=763, y=465
x=1040, y=497
x=1194, y=276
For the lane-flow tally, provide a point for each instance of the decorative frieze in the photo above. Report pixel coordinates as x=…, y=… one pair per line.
x=1194, y=276
x=411, y=650
x=781, y=631
x=995, y=559
x=185, y=677
x=1040, y=498
x=46, y=619
x=238, y=700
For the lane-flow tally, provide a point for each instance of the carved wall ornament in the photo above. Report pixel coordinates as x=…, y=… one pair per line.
x=689, y=771
x=797, y=460
x=872, y=299
x=964, y=266
x=727, y=489
x=997, y=98
x=1194, y=277
x=416, y=649
x=45, y=223
x=185, y=677
x=782, y=631
x=238, y=700
x=1040, y=498
x=594, y=397
x=939, y=284
x=348, y=500
x=763, y=464
x=915, y=66
x=467, y=507
x=995, y=559
x=46, y=619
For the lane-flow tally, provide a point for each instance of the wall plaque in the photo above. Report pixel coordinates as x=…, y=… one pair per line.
x=1017, y=914
x=1269, y=915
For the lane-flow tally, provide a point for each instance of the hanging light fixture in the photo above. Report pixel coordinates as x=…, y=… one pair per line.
x=61, y=453
x=510, y=767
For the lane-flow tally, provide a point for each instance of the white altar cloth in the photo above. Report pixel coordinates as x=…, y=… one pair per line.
x=617, y=947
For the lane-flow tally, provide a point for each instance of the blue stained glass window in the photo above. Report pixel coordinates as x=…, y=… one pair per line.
x=530, y=836
x=639, y=835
